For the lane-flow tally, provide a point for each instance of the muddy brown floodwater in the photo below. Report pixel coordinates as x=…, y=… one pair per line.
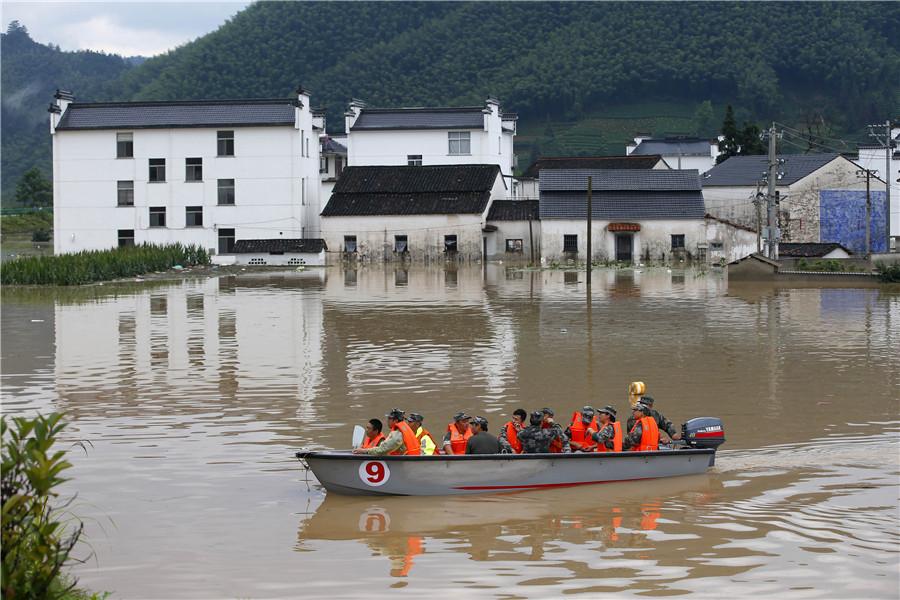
x=194, y=395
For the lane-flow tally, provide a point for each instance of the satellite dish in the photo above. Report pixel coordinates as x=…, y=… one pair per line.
x=358, y=434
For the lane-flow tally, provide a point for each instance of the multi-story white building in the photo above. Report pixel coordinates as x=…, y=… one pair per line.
x=206, y=172
x=872, y=156
x=431, y=136
x=679, y=152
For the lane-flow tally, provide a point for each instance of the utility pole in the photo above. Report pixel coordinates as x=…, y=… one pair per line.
x=772, y=232
x=590, y=221
x=868, y=174
x=886, y=142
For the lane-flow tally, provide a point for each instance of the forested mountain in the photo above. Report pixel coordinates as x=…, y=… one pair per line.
x=556, y=64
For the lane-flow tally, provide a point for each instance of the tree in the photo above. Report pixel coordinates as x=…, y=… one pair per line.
x=737, y=142
x=703, y=119
x=34, y=189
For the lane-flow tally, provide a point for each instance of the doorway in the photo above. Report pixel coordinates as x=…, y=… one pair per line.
x=624, y=247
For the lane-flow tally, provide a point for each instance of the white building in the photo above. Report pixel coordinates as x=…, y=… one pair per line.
x=427, y=213
x=431, y=136
x=513, y=231
x=679, y=152
x=332, y=160
x=205, y=172
x=526, y=185
x=873, y=157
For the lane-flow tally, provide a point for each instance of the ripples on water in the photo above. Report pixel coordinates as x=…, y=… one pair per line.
x=194, y=394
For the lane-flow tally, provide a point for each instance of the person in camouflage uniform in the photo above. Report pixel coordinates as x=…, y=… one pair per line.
x=663, y=423
x=607, y=433
x=550, y=423
x=535, y=439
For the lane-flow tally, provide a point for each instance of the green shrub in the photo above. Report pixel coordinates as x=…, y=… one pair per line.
x=99, y=265
x=888, y=273
x=36, y=539
x=40, y=235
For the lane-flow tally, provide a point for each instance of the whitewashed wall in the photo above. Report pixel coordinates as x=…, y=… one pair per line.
x=873, y=158
x=496, y=240
x=736, y=243
x=653, y=238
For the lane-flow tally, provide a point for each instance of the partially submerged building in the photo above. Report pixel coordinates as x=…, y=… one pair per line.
x=416, y=213
x=527, y=185
x=513, y=231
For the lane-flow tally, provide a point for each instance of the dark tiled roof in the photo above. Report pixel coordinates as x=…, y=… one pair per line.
x=630, y=205
x=592, y=162
x=808, y=250
x=672, y=146
x=619, y=180
x=420, y=118
x=514, y=210
x=306, y=245
x=329, y=145
x=199, y=113
x=403, y=190
x=747, y=170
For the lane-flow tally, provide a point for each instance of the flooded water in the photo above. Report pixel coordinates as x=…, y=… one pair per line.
x=194, y=395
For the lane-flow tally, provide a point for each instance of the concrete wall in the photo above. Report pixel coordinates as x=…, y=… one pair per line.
x=727, y=243
x=375, y=236
x=873, y=158
x=276, y=186
x=514, y=230
x=653, y=242
x=316, y=259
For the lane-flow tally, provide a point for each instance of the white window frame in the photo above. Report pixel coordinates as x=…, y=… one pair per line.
x=459, y=143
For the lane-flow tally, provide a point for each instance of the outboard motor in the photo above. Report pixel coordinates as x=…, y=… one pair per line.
x=703, y=432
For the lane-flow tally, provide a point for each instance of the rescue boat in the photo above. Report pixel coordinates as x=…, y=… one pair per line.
x=343, y=472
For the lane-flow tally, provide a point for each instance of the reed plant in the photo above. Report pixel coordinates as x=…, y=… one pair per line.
x=100, y=265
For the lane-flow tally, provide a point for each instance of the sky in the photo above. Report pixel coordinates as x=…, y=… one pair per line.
x=120, y=27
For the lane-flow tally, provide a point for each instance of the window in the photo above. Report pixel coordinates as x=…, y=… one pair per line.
x=414, y=160
x=126, y=237
x=303, y=191
x=157, y=170
x=677, y=241
x=124, y=145
x=323, y=164
x=125, y=193
x=499, y=144
x=225, y=143
x=349, y=244
x=302, y=138
x=157, y=216
x=307, y=147
x=401, y=245
x=193, y=216
x=515, y=246
x=226, y=192
x=570, y=243
x=460, y=142
x=450, y=246
x=338, y=166
x=226, y=241
x=716, y=246
x=193, y=169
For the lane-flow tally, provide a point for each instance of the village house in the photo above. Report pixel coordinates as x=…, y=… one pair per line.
x=638, y=215
x=415, y=213
x=513, y=231
x=332, y=160
x=821, y=198
x=679, y=152
x=431, y=136
x=207, y=172
x=527, y=184
x=872, y=156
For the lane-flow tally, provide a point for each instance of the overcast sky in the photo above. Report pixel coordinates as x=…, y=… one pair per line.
x=122, y=27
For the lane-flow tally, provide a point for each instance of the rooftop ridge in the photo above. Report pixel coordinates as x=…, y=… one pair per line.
x=180, y=102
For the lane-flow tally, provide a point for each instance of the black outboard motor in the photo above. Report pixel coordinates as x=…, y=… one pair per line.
x=703, y=432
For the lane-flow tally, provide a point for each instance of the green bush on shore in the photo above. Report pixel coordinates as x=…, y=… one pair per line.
x=38, y=533
x=99, y=265
x=888, y=273
x=27, y=223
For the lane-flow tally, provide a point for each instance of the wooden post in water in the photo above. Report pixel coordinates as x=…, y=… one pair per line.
x=590, y=220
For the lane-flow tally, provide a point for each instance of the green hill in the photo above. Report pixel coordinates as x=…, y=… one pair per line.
x=583, y=76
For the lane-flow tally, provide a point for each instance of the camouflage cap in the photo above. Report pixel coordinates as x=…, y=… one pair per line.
x=608, y=410
x=395, y=413
x=415, y=418
x=461, y=416
x=547, y=411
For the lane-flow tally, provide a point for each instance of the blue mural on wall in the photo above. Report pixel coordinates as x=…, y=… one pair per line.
x=842, y=219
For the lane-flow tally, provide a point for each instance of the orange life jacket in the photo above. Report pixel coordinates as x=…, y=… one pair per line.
x=617, y=439
x=409, y=439
x=458, y=440
x=649, y=434
x=556, y=445
x=512, y=436
x=422, y=433
x=578, y=429
x=372, y=442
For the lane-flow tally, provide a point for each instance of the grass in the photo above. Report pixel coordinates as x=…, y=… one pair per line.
x=99, y=265
x=27, y=223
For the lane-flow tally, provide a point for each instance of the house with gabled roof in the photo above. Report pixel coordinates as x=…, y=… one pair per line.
x=526, y=185
x=411, y=213
x=821, y=198
x=417, y=136
x=207, y=172
x=679, y=152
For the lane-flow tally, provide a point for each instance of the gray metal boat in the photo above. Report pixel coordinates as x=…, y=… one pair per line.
x=357, y=474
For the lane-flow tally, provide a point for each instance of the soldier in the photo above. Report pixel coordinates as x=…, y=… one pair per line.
x=509, y=434
x=426, y=441
x=401, y=440
x=661, y=422
x=644, y=436
x=561, y=442
x=610, y=437
x=535, y=438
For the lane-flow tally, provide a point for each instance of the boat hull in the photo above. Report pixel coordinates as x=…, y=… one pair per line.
x=354, y=474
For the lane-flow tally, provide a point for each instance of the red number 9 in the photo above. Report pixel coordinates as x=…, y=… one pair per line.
x=374, y=472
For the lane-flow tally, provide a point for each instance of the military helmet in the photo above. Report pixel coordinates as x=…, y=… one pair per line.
x=415, y=418
x=395, y=413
